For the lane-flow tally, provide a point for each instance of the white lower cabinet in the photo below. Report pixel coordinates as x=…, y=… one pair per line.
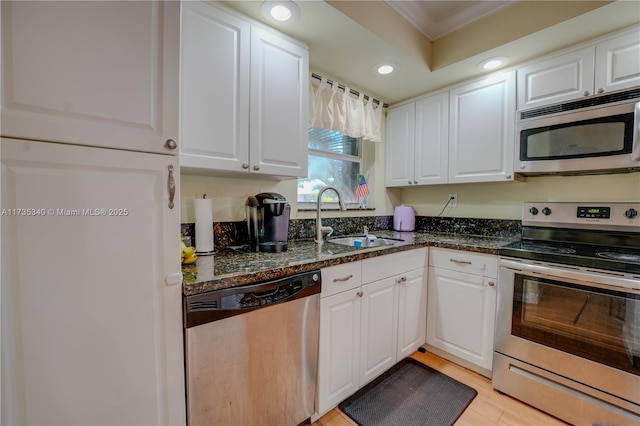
x=461, y=307
x=372, y=315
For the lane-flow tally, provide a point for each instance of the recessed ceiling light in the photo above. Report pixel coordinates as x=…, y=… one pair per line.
x=385, y=68
x=280, y=11
x=493, y=63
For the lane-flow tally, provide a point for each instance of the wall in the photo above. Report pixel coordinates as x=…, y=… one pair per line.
x=504, y=200
x=230, y=193
x=480, y=200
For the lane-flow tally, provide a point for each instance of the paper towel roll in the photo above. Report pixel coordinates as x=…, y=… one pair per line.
x=204, y=224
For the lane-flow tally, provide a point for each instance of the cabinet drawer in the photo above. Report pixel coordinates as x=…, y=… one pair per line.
x=377, y=268
x=463, y=261
x=339, y=278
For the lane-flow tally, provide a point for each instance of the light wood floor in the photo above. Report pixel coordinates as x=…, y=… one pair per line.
x=487, y=408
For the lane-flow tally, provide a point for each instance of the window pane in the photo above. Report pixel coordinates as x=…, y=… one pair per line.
x=332, y=141
x=342, y=174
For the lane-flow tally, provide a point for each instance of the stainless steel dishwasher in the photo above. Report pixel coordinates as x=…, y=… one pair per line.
x=252, y=353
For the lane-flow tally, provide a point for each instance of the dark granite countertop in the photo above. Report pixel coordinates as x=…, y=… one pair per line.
x=231, y=268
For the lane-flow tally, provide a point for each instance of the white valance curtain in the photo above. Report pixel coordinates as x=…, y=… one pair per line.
x=332, y=108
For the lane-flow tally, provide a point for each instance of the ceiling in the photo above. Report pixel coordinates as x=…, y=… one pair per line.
x=437, y=43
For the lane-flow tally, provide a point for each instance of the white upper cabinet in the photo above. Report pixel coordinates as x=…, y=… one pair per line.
x=92, y=73
x=244, y=95
x=418, y=141
x=610, y=65
x=400, y=145
x=557, y=79
x=618, y=63
x=482, y=130
x=214, y=90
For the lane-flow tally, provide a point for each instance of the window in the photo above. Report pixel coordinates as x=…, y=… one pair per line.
x=335, y=160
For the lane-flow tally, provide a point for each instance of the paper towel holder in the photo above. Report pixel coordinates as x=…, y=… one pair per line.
x=207, y=252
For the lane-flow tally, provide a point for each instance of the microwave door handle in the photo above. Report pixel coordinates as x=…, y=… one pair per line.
x=635, y=150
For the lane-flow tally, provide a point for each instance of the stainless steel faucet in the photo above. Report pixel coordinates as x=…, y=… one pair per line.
x=320, y=230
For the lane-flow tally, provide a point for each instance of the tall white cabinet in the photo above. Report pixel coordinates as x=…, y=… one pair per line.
x=244, y=95
x=91, y=277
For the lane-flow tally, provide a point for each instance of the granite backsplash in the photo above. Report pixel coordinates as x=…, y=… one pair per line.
x=235, y=233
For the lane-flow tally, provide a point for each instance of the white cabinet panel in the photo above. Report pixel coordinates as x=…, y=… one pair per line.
x=482, y=130
x=555, y=80
x=400, y=145
x=618, y=63
x=461, y=313
x=92, y=317
x=432, y=140
x=339, y=373
x=378, y=328
x=92, y=73
x=412, y=312
x=214, y=88
x=279, y=105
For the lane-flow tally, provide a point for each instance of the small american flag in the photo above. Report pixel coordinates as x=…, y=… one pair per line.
x=363, y=189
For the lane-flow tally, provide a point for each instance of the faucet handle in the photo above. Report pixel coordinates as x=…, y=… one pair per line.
x=366, y=231
x=326, y=229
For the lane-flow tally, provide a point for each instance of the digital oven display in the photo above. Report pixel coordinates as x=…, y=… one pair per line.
x=594, y=212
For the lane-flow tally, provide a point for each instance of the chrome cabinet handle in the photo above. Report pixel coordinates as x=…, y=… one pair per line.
x=359, y=294
x=491, y=283
x=171, y=144
x=586, y=93
x=347, y=278
x=256, y=167
x=172, y=187
x=601, y=90
x=461, y=262
x=401, y=280
x=245, y=166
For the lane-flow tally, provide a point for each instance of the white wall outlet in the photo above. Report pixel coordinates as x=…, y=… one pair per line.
x=453, y=200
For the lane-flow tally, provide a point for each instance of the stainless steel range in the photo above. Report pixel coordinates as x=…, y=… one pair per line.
x=568, y=322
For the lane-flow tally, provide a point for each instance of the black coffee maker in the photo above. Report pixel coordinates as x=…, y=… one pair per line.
x=268, y=222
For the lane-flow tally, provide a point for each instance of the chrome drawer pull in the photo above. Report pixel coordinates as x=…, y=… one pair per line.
x=347, y=278
x=462, y=262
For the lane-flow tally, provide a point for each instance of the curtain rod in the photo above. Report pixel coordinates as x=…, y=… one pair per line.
x=353, y=92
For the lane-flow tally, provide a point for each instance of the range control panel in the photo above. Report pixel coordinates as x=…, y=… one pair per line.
x=618, y=216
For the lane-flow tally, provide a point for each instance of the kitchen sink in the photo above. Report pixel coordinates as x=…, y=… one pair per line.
x=353, y=241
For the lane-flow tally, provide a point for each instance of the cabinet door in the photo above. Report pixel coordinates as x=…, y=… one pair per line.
x=432, y=140
x=279, y=121
x=214, y=90
x=558, y=79
x=482, y=130
x=400, y=145
x=618, y=63
x=91, y=73
x=379, y=329
x=412, y=312
x=338, y=366
x=91, y=287
x=460, y=315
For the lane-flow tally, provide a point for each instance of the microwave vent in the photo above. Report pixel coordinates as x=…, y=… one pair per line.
x=582, y=103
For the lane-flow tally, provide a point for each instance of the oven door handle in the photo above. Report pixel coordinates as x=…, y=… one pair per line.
x=606, y=280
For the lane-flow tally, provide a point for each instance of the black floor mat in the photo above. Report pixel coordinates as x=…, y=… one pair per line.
x=409, y=394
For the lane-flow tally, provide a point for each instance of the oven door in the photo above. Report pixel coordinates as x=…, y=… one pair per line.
x=581, y=325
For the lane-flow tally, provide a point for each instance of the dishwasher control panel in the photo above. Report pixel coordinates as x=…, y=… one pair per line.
x=219, y=304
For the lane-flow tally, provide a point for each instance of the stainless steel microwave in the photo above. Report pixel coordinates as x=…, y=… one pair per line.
x=594, y=135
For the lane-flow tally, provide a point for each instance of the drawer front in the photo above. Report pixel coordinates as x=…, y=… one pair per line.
x=485, y=265
x=339, y=278
x=388, y=265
